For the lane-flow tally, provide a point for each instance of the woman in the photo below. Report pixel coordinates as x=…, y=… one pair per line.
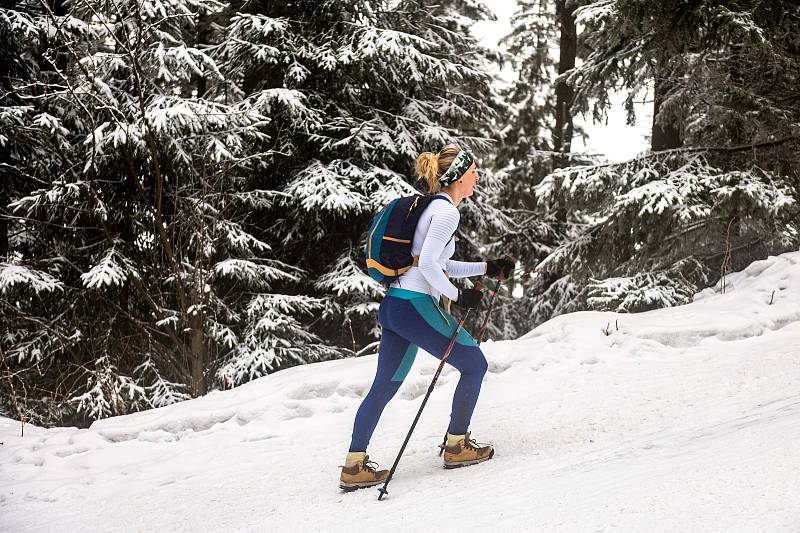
x=411, y=316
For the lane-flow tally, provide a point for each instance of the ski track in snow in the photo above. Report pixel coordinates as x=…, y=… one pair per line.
x=679, y=420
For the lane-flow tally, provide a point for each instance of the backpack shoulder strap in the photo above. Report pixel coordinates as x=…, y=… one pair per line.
x=439, y=197
x=430, y=198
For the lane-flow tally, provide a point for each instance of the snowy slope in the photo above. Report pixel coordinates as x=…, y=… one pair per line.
x=680, y=420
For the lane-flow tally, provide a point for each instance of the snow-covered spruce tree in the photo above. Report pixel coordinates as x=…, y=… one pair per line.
x=359, y=89
x=661, y=227
x=25, y=155
x=530, y=99
x=721, y=78
x=179, y=151
x=535, y=137
x=539, y=129
x=134, y=273
x=723, y=73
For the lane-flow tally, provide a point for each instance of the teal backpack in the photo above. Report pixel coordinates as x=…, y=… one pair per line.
x=388, y=248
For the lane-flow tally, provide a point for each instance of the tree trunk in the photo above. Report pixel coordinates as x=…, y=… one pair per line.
x=565, y=94
x=664, y=136
x=3, y=225
x=198, y=353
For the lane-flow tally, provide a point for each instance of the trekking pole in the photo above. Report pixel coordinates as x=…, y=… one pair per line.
x=489, y=311
x=500, y=281
x=383, y=490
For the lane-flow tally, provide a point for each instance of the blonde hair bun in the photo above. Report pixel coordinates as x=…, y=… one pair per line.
x=430, y=166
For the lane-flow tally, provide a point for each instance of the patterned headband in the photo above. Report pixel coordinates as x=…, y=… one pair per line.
x=458, y=167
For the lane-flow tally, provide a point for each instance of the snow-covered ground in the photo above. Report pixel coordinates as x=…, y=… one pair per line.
x=684, y=419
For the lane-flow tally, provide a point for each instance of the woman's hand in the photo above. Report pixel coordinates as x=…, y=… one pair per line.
x=501, y=267
x=469, y=298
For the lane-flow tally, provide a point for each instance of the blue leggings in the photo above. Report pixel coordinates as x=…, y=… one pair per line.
x=409, y=320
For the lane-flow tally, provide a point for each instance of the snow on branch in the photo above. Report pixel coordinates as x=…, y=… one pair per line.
x=111, y=271
x=293, y=102
x=328, y=187
x=406, y=56
x=222, y=334
x=596, y=12
x=669, y=186
x=346, y=278
x=256, y=25
x=252, y=199
x=251, y=273
x=176, y=63
x=253, y=38
x=50, y=123
x=18, y=275
x=19, y=23
x=385, y=185
x=757, y=192
x=646, y=291
x=172, y=115
x=160, y=392
x=103, y=65
x=384, y=42
x=109, y=393
x=235, y=238
x=60, y=194
x=275, y=337
x=284, y=303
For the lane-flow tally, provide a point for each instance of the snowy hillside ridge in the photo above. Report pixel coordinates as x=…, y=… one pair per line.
x=685, y=417
x=742, y=312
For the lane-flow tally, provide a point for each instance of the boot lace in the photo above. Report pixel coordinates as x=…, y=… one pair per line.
x=472, y=444
x=469, y=443
x=370, y=466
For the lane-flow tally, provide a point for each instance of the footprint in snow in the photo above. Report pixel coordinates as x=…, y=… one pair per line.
x=417, y=389
x=310, y=391
x=71, y=451
x=414, y=390
x=296, y=410
x=352, y=390
x=498, y=368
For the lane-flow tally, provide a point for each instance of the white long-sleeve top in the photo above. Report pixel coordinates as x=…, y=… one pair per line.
x=433, y=244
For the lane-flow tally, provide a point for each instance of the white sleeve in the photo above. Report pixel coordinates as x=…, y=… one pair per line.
x=465, y=269
x=443, y=224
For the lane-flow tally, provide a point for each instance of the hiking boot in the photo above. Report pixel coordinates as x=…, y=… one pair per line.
x=359, y=472
x=463, y=451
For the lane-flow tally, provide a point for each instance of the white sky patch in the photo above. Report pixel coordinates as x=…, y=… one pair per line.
x=614, y=139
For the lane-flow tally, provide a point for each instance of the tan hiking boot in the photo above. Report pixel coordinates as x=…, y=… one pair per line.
x=359, y=472
x=463, y=451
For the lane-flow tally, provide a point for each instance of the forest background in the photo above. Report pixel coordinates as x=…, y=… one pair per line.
x=186, y=184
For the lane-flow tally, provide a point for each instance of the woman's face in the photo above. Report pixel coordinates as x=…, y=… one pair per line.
x=469, y=179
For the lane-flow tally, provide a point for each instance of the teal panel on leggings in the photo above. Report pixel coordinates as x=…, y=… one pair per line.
x=405, y=365
x=405, y=294
x=436, y=317
x=441, y=321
